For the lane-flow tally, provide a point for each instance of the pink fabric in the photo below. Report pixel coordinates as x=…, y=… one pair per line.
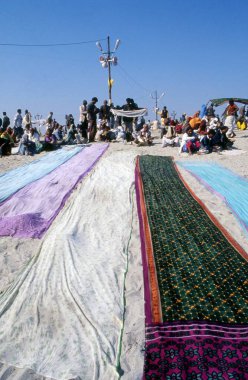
x=196, y=350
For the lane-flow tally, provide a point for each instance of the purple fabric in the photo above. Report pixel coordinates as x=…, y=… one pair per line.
x=196, y=351
x=30, y=211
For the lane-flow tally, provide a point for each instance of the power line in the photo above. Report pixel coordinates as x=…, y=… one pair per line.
x=57, y=44
x=134, y=80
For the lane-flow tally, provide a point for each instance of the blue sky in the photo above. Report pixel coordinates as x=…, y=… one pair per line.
x=192, y=50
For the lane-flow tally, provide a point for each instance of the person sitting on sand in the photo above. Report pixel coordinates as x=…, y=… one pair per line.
x=6, y=141
x=120, y=134
x=107, y=134
x=207, y=142
x=35, y=137
x=26, y=146
x=71, y=135
x=221, y=140
x=213, y=123
x=144, y=137
x=242, y=124
x=190, y=142
x=50, y=141
x=80, y=139
x=170, y=138
x=202, y=130
x=195, y=121
x=58, y=133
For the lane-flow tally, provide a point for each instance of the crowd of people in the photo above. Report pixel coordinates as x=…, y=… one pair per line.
x=204, y=132
x=95, y=124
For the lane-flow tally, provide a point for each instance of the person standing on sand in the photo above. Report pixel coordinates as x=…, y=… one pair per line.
x=83, y=113
x=6, y=121
x=104, y=113
x=27, y=119
x=18, y=130
x=92, y=112
x=230, y=121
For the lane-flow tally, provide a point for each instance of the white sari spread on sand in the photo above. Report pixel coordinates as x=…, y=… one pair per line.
x=63, y=315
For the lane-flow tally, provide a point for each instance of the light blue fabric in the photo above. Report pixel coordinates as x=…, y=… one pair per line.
x=231, y=187
x=16, y=179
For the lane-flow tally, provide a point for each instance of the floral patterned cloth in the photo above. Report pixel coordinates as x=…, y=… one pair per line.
x=195, y=278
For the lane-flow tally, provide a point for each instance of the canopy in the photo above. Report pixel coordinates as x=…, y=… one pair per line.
x=219, y=102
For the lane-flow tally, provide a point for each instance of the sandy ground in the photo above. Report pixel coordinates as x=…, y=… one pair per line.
x=15, y=253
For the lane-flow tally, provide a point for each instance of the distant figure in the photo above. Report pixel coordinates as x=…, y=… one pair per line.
x=241, y=111
x=49, y=119
x=128, y=121
x=26, y=146
x=230, y=120
x=83, y=113
x=183, y=118
x=27, y=119
x=203, y=111
x=164, y=113
x=92, y=112
x=6, y=121
x=104, y=113
x=18, y=130
x=210, y=111
x=195, y=120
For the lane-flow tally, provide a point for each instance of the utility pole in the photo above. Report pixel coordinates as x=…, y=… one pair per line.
x=107, y=60
x=109, y=72
x=157, y=99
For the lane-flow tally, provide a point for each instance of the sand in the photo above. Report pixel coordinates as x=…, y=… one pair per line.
x=15, y=253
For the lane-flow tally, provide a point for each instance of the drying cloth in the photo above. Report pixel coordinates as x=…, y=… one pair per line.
x=30, y=211
x=195, y=281
x=15, y=179
x=63, y=316
x=230, y=187
x=131, y=114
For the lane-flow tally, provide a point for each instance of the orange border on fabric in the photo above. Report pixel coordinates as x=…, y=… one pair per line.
x=154, y=289
x=227, y=235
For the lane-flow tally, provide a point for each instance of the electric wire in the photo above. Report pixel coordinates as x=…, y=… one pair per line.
x=52, y=44
x=134, y=80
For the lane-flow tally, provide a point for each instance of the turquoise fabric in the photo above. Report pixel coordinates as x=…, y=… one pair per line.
x=232, y=188
x=16, y=179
